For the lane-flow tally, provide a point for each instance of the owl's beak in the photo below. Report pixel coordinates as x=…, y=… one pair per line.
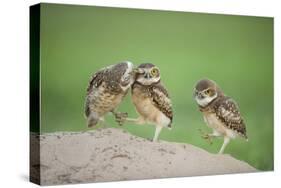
x=138, y=71
x=200, y=95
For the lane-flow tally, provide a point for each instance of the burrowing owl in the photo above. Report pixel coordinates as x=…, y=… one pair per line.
x=151, y=99
x=106, y=90
x=220, y=112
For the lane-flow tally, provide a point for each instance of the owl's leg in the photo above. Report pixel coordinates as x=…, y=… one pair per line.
x=157, y=132
x=213, y=135
x=122, y=119
x=205, y=136
x=120, y=114
x=225, y=142
x=209, y=136
x=138, y=120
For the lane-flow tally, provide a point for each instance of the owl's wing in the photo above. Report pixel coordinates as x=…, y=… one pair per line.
x=161, y=100
x=228, y=113
x=96, y=80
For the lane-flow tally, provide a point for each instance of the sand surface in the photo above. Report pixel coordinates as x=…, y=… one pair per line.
x=114, y=154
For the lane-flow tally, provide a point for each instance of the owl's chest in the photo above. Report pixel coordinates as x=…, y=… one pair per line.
x=107, y=100
x=112, y=99
x=144, y=104
x=213, y=122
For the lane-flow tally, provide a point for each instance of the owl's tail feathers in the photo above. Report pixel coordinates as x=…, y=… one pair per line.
x=246, y=138
x=92, y=120
x=170, y=126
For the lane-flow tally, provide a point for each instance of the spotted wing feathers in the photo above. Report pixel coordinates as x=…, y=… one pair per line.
x=96, y=80
x=161, y=100
x=228, y=113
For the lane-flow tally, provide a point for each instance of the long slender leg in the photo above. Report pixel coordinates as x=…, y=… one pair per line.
x=121, y=119
x=138, y=120
x=157, y=132
x=209, y=136
x=225, y=142
x=214, y=134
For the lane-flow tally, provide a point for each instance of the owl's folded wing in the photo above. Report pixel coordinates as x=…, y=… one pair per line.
x=228, y=113
x=161, y=100
x=96, y=80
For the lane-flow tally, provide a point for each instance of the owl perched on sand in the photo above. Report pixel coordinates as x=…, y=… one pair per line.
x=151, y=99
x=106, y=90
x=220, y=112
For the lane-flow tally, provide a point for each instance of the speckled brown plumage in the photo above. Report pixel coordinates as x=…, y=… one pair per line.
x=227, y=112
x=110, y=76
x=106, y=90
x=221, y=113
x=151, y=100
x=158, y=96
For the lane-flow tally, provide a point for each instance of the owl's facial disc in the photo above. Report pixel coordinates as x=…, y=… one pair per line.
x=204, y=97
x=205, y=92
x=148, y=76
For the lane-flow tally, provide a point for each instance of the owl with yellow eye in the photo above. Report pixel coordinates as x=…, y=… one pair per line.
x=151, y=99
x=220, y=112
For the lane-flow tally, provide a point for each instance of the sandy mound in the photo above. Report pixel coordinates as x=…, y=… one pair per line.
x=113, y=154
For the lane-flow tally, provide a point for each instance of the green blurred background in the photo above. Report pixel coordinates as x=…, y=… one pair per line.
x=235, y=51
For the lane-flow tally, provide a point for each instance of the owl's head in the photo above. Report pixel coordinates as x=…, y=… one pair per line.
x=147, y=74
x=128, y=75
x=206, y=91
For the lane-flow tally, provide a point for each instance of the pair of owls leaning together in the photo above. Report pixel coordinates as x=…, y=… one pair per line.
x=110, y=85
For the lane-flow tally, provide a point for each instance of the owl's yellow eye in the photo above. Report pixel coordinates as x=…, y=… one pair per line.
x=208, y=92
x=154, y=72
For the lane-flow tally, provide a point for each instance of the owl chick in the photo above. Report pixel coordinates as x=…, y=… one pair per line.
x=151, y=99
x=220, y=112
x=106, y=90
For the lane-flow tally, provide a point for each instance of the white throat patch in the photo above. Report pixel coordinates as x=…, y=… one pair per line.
x=205, y=101
x=148, y=82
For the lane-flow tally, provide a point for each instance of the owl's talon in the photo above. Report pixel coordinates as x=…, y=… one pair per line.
x=150, y=139
x=120, y=117
x=120, y=122
x=206, y=136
